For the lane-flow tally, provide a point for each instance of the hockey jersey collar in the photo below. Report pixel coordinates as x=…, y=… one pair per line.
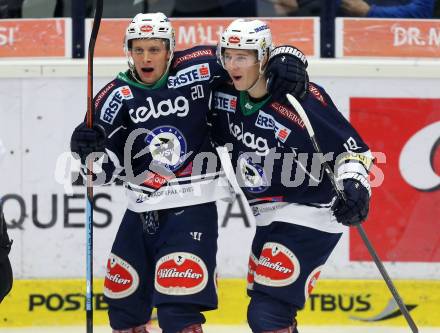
x=249, y=107
x=159, y=84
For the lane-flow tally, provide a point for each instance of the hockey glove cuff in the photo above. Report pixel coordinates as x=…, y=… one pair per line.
x=355, y=209
x=86, y=140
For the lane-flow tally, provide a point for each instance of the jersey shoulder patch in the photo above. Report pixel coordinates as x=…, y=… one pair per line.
x=316, y=93
x=111, y=99
x=287, y=113
x=104, y=92
x=194, y=55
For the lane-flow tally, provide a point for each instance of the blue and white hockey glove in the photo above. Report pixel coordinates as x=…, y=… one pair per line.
x=86, y=140
x=286, y=72
x=355, y=210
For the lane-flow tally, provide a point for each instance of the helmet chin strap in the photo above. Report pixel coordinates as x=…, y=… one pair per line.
x=255, y=83
x=260, y=76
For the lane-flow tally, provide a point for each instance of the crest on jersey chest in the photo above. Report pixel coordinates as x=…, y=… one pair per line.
x=253, y=175
x=167, y=146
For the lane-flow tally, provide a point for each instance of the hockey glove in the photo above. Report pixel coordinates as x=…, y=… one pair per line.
x=5, y=243
x=286, y=73
x=5, y=266
x=87, y=140
x=355, y=209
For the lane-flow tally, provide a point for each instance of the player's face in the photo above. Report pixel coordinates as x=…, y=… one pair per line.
x=150, y=58
x=242, y=66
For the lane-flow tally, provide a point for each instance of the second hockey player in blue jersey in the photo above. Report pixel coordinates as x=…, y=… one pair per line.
x=298, y=220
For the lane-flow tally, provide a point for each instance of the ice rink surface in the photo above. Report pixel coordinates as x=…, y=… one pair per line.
x=232, y=329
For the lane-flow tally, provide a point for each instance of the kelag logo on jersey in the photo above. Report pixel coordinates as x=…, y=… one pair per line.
x=254, y=142
x=179, y=106
x=167, y=146
x=266, y=121
x=189, y=75
x=225, y=102
x=113, y=103
x=254, y=178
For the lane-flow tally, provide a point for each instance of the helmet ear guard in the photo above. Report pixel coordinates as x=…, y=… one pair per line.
x=145, y=26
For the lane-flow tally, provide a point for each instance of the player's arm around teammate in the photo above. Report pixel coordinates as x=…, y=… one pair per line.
x=167, y=253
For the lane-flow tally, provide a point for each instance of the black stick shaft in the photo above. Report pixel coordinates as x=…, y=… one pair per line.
x=89, y=202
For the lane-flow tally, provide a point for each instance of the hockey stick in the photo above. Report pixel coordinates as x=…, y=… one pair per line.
x=297, y=106
x=89, y=204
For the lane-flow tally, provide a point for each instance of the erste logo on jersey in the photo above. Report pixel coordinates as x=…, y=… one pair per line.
x=180, y=273
x=311, y=281
x=250, y=140
x=113, y=103
x=167, y=146
x=121, y=279
x=266, y=121
x=253, y=175
x=225, y=102
x=179, y=106
x=190, y=75
x=277, y=266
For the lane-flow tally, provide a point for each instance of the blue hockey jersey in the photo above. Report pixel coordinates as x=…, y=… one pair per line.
x=157, y=137
x=272, y=154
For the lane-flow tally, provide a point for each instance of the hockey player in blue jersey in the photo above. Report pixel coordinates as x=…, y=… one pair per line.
x=5, y=265
x=299, y=221
x=151, y=124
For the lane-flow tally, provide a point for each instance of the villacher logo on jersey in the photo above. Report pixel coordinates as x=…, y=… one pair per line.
x=252, y=266
x=277, y=266
x=121, y=279
x=180, y=273
x=173, y=273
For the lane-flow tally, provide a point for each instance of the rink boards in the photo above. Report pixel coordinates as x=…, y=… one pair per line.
x=334, y=302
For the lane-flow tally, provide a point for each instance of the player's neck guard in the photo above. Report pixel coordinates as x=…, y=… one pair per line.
x=128, y=77
x=249, y=107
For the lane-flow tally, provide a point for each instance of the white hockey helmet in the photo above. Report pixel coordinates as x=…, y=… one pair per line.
x=246, y=34
x=151, y=25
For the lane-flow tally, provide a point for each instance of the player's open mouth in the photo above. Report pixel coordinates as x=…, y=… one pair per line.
x=147, y=69
x=236, y=77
